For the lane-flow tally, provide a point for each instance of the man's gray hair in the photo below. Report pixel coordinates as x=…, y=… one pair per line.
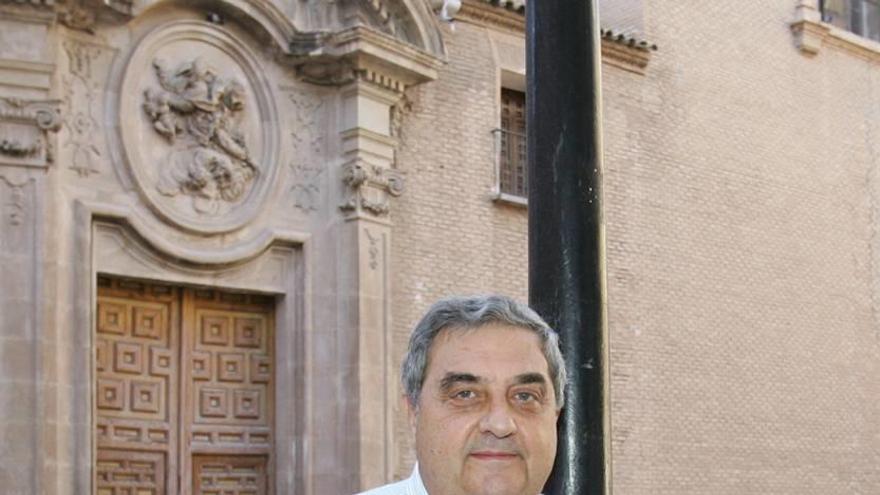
x=471, y=312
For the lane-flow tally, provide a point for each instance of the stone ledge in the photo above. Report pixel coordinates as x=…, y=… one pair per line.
x=510, y=199
x=811, y=34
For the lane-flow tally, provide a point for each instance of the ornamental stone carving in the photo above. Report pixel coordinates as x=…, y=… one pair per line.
x=24, y=131
x=195, y=110
x=370, y=187
x=199, y=127
x=12, y=147
x=82, y=107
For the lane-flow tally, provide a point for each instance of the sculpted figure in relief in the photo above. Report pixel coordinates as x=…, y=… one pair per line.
x=197, y=111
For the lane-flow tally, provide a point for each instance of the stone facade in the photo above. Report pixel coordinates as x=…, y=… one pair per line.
x=339, y=157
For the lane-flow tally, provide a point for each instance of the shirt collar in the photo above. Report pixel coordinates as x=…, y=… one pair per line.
x=415, y=485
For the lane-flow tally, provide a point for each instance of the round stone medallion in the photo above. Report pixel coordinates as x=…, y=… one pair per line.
x=197, y=122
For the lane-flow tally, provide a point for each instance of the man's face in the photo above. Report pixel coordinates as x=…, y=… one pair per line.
x=485, y=423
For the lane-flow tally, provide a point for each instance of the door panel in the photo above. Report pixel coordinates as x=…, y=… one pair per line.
x=229, y=353
x=136, y=403
x=184, y=391
x=130, y=473
x=229, y=475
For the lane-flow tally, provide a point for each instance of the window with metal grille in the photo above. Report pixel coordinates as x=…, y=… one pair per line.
x=862, y=17
x=511, y=144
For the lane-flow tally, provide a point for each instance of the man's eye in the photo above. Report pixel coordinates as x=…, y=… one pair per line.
x=464, y=394
x=525, y=397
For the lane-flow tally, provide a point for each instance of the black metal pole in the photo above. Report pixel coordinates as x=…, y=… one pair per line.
x=566, y=232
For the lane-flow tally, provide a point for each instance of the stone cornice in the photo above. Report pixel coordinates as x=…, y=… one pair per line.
x=626, y=53
x=485, y=14
x=362, y=53
x=623, y=51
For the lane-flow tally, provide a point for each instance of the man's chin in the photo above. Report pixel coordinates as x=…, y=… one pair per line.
x=496, y=477
x=496, y=486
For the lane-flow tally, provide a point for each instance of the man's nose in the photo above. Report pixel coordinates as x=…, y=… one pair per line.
x=498, y=420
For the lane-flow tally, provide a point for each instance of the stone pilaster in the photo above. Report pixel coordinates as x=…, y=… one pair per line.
x=29, y=119
x=370, y=183
x=372, y=70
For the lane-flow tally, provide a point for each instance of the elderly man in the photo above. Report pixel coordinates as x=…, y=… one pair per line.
x=483, y=381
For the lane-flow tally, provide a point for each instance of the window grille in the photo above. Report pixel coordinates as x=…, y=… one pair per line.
x=510, y=142
x=862, y=17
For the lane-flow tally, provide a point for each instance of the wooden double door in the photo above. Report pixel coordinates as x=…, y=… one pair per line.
x=183, y=391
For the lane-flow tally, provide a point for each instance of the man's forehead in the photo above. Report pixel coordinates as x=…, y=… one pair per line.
x=487, y=351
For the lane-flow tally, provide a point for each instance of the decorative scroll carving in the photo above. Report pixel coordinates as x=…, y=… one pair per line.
x=24, y=128
x=196, y=112
x=44, y=114
x=80, y=90
x=370, y=187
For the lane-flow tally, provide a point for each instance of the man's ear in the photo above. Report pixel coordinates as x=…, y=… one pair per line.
x=411, y=411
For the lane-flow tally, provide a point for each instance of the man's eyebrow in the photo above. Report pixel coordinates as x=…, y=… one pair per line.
x=452, y=377
x=527, y=378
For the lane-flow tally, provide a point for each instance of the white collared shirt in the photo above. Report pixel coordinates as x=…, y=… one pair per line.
x=410, y=486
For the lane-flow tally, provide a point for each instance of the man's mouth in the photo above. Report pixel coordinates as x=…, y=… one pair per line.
x=494, y=455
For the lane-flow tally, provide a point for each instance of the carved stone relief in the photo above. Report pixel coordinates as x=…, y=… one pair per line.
x=306, y=190
x=24, y=131
x=14, y=206
x=381, y=15
x=373, y=250
x=76, y=15
x=370, y=187
x=12, y=147
x=200, y=129
x=307, y=142
x=399, y=112
x=196, y=111
x=81, y=88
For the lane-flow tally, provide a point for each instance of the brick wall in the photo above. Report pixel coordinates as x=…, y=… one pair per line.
x=744, y=354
